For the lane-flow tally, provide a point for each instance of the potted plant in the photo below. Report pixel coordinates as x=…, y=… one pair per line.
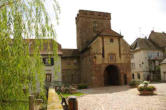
x=146, y=89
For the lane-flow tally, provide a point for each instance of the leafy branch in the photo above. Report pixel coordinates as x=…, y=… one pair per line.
x=6, y=4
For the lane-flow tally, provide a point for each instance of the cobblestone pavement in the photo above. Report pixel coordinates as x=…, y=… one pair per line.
x=122, y=98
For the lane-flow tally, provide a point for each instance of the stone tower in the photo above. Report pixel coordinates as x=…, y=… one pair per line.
x=89, y=24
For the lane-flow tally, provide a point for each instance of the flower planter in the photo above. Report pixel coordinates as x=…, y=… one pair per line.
x=144, y=92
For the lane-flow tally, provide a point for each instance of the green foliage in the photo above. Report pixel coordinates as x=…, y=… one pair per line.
x=148, y=88
x=14, y=105
x=145, y=83
x=140, y=88
x=134, y=83
x=157, y=68
x=20, y=69
x=65, y=95
x=151, y=88
x=82, y=86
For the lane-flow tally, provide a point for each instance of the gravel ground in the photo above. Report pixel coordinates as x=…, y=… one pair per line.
x=122, y=98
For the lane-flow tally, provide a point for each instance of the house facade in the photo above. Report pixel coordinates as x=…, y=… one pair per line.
x=145, y=60
x=51, y=60
x=159, y=39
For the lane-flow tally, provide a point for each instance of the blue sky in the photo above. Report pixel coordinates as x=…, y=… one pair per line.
x=133, y=18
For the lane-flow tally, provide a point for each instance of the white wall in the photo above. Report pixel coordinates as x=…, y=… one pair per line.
x=55, y=69
x=163, y=69
x=140, y=60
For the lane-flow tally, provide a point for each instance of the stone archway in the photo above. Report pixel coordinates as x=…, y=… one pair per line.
x=111, y=75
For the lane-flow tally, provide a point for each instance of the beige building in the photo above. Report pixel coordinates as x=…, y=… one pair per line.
x=102, y=57
x=145, y=60
x=163, y=70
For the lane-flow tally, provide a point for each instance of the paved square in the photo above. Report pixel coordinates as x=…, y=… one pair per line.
x=122, y=98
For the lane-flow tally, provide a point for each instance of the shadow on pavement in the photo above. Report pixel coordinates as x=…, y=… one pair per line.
x=106, y=89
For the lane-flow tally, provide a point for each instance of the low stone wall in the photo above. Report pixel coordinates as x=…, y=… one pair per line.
x=54, y=102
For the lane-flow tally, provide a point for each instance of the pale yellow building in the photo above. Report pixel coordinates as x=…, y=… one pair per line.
x=163, y=70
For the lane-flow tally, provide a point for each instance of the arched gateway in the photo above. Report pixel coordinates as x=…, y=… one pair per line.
x=111, y=75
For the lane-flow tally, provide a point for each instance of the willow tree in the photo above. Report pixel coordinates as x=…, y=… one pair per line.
x=20, y=20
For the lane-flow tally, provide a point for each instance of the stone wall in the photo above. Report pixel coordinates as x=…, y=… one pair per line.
x=98, y=48
x=86, y=67
x=89, y=24
x=71, y=70
x=95, y=60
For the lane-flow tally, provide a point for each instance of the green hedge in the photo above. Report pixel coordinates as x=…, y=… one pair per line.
x=134, y=83
x=82, y=86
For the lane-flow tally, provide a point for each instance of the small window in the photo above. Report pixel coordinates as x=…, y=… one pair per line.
x=111, y=40
x=133, y=75
x=164, y=73
x=48, y=61
x=94, y=26
x=112, y=57
x=52, y=61
x=48, y=77
x=138, y=75
x=133, y=65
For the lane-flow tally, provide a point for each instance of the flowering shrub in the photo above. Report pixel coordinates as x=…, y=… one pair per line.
x=148, y=88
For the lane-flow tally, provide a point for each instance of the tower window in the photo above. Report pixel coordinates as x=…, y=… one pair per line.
x=111, y=40
x=112, y=57
x=94, y=26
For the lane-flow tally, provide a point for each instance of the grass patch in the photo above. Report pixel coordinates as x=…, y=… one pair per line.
x=65, y=95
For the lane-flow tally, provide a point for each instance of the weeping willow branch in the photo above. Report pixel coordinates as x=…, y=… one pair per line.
x=6, y=4
x=21, y=20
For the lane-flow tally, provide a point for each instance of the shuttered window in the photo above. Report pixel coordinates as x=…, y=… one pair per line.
x=48, y=61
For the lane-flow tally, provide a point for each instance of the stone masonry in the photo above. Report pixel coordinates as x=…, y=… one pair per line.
x=102, y=57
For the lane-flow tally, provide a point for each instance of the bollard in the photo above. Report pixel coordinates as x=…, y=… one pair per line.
x=73, y=103
x=31, y=102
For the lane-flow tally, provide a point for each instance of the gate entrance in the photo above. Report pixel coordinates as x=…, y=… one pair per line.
x=111, y=75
